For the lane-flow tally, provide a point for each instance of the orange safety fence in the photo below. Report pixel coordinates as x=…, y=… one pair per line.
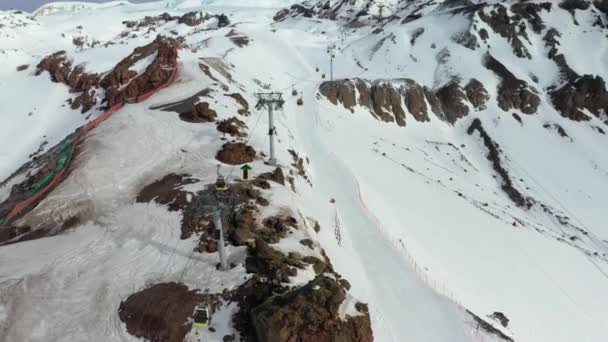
x=19, y=207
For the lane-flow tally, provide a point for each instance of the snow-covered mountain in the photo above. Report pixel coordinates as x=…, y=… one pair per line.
x=441, y=171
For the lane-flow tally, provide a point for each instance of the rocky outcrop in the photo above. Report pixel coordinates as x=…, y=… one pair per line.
x=494, y=157
x=62, y=70
x=232, y=126
x=167, y=320
x=387, y=100
x=244, y=110
x=149, y=21
x=477, y=94
x=453, y=101
x=193, y=18
x=123, y=84
x=311, y=314
x=202, y=113
x=236, y=153
x=270, y=263
x=387, y=103
x=530, y=11
x=513, y=93
x=586, y=92
x=572, y=5
x=510, y=28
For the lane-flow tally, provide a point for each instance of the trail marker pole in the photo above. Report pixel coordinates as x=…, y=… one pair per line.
x=270, y=101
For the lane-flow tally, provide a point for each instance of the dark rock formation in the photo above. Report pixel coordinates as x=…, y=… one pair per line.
x=310, y=313
x=453, y=101
x=23, y=67
x=236, y=153
x=268, y=262
x=586, y=92
x=513, y=93
x=384, y=99
x=276, y=176
x=155, y=75
x=572, y=5
x=232, y=126
x=387, y=103
x=75, y=77
x=167, y=191
x=193, y=18
x=510, y=28
x=530, y=11
x=494, y=156
x=168, y=319
x=149, y=21
x=202, y=113
x=241, y=100
x=477, y=94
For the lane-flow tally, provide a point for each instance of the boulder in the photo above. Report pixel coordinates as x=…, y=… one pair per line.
x=387, y=103
x=202, y=113
x=311, y=313
x=268, y=262
x=236, y=154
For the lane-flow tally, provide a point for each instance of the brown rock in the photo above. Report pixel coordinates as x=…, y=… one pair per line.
x=193, y=18
x=241, y=100
x=587, y=92
x=232, y=126
x=414, y=98
x=477, y=94
x=453, y=101
x=167, y=320
x=513, y=93
x=236, y=153
x=23, y=67
x=509, y=27
x=268, y=262
x=341, y=91
x=202, y=113
x=387, y=103
x=308, y=314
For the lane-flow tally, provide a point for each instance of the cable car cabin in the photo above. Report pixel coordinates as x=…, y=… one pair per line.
x=300, y=101
x=201, y=316
x=220, y=184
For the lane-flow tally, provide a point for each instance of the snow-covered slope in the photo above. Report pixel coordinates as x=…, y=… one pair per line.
x=413, y=177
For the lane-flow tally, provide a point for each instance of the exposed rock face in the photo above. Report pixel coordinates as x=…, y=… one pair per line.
x=477, y=94
x=586, y=92
x=530, y=11
x=572, y=5
x=453, y=101
x=384, y=99
x=241, y=100
x=167, y=319
x=494, y=156
x=269, y=262
x=232, y=126
x=23, y=67
x=202, y=113
x=193, y=18
x=601, y=5
x=513, y=93
x=149, y=21
x=508, y=27
x=236, y=153
x=387, y=103
x=309, y=314
x=156, y=74
x=62, y=71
